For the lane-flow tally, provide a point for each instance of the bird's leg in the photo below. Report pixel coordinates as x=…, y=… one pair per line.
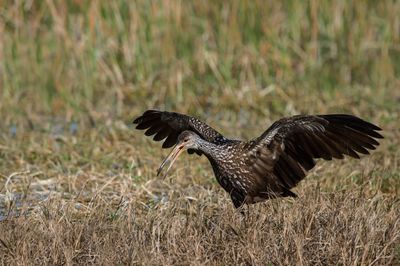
x=247, y=211
x=244, y=211
x=239, y=200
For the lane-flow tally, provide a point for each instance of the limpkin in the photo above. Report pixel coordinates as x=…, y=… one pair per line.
x=269, y=165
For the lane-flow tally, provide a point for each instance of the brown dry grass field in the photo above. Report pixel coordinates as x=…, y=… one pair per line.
x=78, y=184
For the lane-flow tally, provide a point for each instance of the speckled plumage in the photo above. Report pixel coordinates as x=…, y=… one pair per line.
x=273, y=163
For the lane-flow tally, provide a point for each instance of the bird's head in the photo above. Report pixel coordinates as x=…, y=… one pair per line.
x=186, y=140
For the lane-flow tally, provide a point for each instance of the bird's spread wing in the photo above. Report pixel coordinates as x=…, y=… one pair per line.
x=287, y=149
x=169, y=125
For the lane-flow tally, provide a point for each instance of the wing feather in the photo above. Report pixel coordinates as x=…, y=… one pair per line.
x=168, y=126
x=297, y=141
x=156, y=127
x=162, y=134
x=171, y=139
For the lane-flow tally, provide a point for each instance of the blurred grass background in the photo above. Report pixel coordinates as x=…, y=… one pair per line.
x=117, y=58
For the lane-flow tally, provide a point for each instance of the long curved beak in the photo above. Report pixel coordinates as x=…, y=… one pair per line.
x=171, y=158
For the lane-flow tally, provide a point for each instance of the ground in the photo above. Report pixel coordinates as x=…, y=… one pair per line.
x=78, y=184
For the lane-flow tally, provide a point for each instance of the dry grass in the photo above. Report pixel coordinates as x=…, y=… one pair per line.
x=320, y=228
x=78, y=185
x=76, y=204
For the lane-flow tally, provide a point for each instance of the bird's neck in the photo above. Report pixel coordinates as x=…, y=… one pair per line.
x=212, y=151
x=206, y=147
x=221, y=156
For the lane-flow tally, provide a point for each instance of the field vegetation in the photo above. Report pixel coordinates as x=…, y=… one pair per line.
x=78, y=184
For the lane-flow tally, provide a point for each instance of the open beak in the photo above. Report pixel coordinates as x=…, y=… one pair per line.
x=171, y=158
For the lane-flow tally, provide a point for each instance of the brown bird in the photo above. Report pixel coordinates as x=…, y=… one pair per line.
x=269, y=165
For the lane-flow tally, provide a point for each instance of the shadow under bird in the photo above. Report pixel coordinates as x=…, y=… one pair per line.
x=269, y=165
